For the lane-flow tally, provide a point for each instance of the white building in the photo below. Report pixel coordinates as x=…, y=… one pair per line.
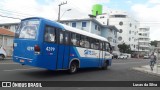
x=144, y=39
x=127, y=26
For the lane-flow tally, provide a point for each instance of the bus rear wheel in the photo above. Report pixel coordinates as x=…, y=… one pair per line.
x=73, y=68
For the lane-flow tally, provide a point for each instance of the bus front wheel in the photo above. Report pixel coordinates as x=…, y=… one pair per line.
x=105, y=67
x=73, y=68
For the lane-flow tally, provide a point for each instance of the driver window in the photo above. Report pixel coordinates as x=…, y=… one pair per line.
x=107, y=47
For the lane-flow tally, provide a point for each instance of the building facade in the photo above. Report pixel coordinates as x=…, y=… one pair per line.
x=10, y=26
x=144, y=40
x=6, y=40
x=93, y=26
x=127, y=26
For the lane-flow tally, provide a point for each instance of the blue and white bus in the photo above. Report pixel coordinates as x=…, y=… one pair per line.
x=47, y=44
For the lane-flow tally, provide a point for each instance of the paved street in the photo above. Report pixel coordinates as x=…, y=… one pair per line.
x=121, y=70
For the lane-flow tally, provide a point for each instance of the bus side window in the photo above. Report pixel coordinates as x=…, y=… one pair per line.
x=87, y=42
x=96, y=46
x=82, y=41
x=101, y=45
x=66, y=38
x=73, y=39
x=92, y=43
x=61, y=37
x=50, y=34
x=78, y=39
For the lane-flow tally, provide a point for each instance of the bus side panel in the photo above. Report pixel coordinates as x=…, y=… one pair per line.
x=66, y=57
x=60, y=56
x=87, y=57
x=101, y=58
x=94, y=58
x=49, y=57
x=108, y=57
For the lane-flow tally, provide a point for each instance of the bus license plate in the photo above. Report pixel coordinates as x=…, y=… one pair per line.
x=22, y=60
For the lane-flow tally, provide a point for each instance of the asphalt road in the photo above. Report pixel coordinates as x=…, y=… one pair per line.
x=121, y=70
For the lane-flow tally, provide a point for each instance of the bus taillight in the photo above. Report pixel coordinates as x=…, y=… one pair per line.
x=37, y=49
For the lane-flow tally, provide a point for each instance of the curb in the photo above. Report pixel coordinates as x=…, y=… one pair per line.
x=141, y=69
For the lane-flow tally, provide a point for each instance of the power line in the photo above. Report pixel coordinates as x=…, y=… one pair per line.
x=10, y=17
x=22, y=14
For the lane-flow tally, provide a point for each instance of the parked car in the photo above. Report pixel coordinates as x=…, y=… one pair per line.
x=146, y=57
x=122, y=56
x=115, y=56
x=2, y=53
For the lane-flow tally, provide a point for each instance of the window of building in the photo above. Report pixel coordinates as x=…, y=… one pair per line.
x=96, y=27
x=99, y=29
x=114, y=32
x=67, y=23
x=120, y=38
x=130, y=25
x=121, y=23
x=130, y=32
x=129, y=39
x=74, y=24
x=120, y=30
x=84, y=24
x=118, y=16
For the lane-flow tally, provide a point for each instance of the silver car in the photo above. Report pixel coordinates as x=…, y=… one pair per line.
x=2, y=53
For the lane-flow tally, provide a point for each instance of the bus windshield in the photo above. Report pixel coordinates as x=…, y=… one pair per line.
x=27, y=29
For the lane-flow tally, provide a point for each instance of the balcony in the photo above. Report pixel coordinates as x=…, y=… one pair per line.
x=143, y=45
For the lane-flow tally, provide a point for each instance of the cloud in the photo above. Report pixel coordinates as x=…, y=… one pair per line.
x=48, y=8
x=148, y=15
x=129, y=2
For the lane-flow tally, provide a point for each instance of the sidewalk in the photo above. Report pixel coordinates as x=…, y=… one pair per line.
x=147, y=69
x=8, y=58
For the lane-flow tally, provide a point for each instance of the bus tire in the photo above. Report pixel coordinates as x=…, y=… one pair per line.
x=105, y=67
x=2, y=56
x=73, y=68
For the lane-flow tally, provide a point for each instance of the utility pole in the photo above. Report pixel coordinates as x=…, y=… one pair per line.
x=59, y=11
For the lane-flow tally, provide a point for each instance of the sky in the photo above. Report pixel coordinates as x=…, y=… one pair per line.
x=145, y=11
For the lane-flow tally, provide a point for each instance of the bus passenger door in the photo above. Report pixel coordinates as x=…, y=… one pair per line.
x=102, y=52
x=63, y=50
x=49, y=48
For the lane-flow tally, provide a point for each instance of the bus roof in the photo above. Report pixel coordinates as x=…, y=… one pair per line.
x=69, y=28
x=79, y=31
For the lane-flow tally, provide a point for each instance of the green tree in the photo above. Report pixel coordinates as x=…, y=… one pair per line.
x=154, y=43
x=124, y=48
